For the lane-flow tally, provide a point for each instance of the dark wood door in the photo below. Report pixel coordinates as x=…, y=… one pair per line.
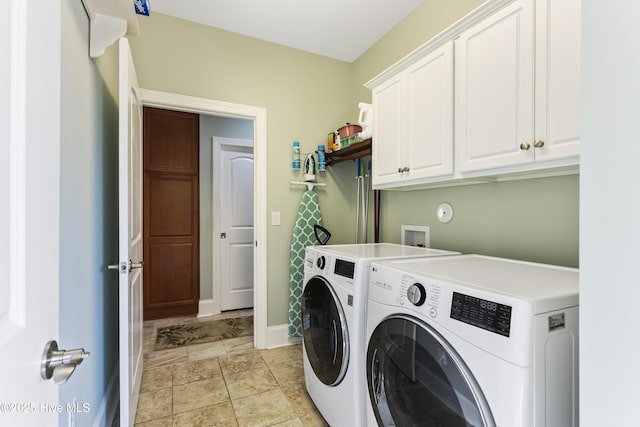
x=171, y=213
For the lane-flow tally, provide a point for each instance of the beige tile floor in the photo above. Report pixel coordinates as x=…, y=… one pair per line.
x=224, y=383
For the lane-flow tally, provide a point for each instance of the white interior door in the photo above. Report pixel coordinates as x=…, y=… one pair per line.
x=29, y=211
x=233, y=163
x=130, y=237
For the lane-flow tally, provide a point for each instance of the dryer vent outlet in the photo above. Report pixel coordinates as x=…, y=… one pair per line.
x=416, y=235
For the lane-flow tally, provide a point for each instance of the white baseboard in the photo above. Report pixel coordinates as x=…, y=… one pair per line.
x=206, y=308
x=109, y=405
x=278, y=336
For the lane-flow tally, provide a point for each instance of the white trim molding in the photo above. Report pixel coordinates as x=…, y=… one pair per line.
x=108, y=408
x=207, y=308
x=278, y=336
x=177, y=102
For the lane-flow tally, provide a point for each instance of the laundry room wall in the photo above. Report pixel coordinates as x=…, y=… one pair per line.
x=305, y=95
x=534, y=220
x=88, y=294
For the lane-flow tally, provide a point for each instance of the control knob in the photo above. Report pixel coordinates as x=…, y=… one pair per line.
x=416, y=294
x=321, y=262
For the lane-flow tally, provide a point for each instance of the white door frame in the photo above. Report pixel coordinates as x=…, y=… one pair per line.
x=176, y=102
x=216, y=148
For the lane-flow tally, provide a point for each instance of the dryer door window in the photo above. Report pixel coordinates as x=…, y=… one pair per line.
x=416, y=378
x=324, y=331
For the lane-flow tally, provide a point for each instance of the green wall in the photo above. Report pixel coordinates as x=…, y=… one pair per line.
x=308, y=95
x=88, y=294
x=429, y=19
x=535, y=220
x=305, y=95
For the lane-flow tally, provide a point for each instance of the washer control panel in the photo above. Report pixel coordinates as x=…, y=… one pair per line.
x=416, y=294
x=420, y=295
x=340, y=271
x=345, y=268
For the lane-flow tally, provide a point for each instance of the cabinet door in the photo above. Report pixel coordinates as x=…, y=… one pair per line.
x=494, y=90
x=557, y=79
x=388, y=133
x=429, y=150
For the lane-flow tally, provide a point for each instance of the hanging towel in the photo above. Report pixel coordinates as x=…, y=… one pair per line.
x=302, y=236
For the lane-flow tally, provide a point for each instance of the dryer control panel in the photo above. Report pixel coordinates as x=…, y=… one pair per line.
x=488, y=315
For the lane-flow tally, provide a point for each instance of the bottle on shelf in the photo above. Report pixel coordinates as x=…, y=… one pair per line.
x=331, y=138
x=322, y=158
x=296, y=155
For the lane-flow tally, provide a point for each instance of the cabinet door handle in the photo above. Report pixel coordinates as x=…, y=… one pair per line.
x=400, y=170
x=538, y=143
x=525, y=146
x=405, y=169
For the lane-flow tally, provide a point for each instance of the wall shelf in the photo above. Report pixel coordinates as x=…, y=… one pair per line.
x=109, y=21
x=352, y=152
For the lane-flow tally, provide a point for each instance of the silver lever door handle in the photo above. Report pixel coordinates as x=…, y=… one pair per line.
x=133, y=265
x=60, y=364
x=125, y=267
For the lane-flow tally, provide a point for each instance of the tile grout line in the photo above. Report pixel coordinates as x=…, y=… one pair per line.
x=299, y=409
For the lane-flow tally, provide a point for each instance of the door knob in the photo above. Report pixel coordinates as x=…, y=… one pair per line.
x=60, y=364
x=538, y=143
x=525, y=146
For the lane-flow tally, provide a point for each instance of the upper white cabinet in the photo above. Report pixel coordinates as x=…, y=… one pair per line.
x=494, y=90
x=557, y=85
x=413, y=122
x=389, y=110
x=518, y=97
x=516, y=108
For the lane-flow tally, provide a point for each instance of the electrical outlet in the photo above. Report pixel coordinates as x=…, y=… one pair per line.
x=275, y=218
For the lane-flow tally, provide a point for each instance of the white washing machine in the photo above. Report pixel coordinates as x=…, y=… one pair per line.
x=472, y=341
x=333, y=320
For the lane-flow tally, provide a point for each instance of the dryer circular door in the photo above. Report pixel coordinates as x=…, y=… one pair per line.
x=416, y=378
x=324, y=331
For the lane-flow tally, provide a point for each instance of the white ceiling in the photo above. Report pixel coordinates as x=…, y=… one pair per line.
x=340, y=29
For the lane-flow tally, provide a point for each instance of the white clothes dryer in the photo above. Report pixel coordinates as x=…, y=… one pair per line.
x=333, y=320
x=472, y=341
